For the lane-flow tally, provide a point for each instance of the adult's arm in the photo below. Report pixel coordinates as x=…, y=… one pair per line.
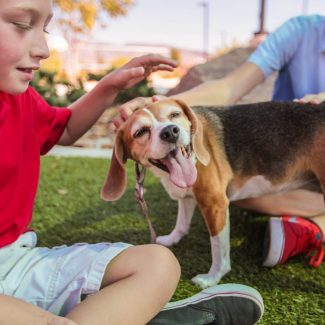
x=226, y=90
x=272, y=55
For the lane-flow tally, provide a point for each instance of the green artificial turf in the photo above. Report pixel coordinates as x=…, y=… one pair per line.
x=68, y=210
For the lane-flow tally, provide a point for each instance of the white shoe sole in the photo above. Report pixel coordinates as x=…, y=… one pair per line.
x=276, y=242
x=221, y=290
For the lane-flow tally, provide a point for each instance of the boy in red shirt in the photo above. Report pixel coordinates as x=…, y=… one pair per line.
x=123, y=284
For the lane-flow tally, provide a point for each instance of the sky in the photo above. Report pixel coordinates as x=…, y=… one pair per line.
x=180, y=23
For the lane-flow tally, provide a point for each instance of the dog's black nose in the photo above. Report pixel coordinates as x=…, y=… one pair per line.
x=170, y=133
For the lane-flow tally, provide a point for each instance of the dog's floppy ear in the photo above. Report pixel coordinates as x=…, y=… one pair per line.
x=115, y=181
x=197, y=132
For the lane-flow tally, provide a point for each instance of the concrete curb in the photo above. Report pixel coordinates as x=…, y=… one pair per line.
x=80, y=152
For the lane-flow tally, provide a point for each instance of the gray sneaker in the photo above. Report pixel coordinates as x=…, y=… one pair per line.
x=224, y=304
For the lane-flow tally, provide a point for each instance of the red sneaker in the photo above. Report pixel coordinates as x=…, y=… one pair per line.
x=288, y=236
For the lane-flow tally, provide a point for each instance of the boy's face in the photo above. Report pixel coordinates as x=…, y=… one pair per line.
x=22, y=41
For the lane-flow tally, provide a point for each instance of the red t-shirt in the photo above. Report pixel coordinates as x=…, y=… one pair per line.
x=29, y=127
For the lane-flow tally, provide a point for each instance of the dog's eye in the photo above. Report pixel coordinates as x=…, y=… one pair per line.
x=139, y=133
x=174, y=114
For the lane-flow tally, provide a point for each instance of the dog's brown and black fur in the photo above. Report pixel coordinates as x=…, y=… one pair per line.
x=242, y=151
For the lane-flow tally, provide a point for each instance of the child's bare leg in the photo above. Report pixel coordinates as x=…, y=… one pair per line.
x=136, y=286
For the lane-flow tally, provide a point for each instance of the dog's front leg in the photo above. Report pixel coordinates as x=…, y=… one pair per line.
x=213, y=204
x=220, y=251
x=186, y=208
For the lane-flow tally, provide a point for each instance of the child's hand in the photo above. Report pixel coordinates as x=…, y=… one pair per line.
x=129, y=107
x=138, y=69
x=312, y=98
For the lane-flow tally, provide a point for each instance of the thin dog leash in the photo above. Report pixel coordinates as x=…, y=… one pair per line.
x=138, y=193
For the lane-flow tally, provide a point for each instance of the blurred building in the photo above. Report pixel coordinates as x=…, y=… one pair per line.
x=96, y=56
x=86, y=56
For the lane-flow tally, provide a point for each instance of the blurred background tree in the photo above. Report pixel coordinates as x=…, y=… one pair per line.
x=175, y=54
x=78, y=17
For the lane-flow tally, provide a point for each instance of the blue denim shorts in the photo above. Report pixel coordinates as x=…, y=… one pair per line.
x=54, y=279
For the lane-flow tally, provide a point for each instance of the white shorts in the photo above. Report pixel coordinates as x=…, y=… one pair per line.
x=54, y=279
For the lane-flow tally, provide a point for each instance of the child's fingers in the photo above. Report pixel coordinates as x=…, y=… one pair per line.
x=141, y=67
x=154, y=59
x=137, y=72
x=127, y=77
x=163, y=67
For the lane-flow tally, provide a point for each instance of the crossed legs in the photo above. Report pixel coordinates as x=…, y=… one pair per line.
x=136, y=286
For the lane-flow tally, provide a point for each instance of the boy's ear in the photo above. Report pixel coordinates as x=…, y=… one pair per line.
x=200, y=151
x=115, y=182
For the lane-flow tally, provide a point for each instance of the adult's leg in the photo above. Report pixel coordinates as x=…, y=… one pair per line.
x=299, y=202
x=291, y=235
x=295, y=203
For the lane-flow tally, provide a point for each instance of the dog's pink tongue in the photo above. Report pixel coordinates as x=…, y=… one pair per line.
x=182, y=171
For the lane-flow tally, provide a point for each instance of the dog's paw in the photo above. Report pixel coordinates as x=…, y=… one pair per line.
x=168, y=240
x=207, y=280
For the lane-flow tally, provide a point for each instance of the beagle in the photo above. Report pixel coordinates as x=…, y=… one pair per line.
x=211, y=156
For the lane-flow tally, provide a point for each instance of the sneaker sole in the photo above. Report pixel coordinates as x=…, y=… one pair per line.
x=276, y=242
x=221, y=290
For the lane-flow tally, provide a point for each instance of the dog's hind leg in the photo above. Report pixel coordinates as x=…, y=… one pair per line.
x=186, y=207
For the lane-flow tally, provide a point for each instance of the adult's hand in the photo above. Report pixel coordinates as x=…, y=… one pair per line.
x=312, y=98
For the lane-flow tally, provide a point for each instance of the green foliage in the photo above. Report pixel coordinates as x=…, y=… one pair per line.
x=175, y=54
x=46, y=84
x=142, y=89
x=75, y=93
x=68, y=210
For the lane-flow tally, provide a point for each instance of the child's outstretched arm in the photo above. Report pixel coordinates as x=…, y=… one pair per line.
x=223, y=91
x=89, y=107
x=18, y=312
